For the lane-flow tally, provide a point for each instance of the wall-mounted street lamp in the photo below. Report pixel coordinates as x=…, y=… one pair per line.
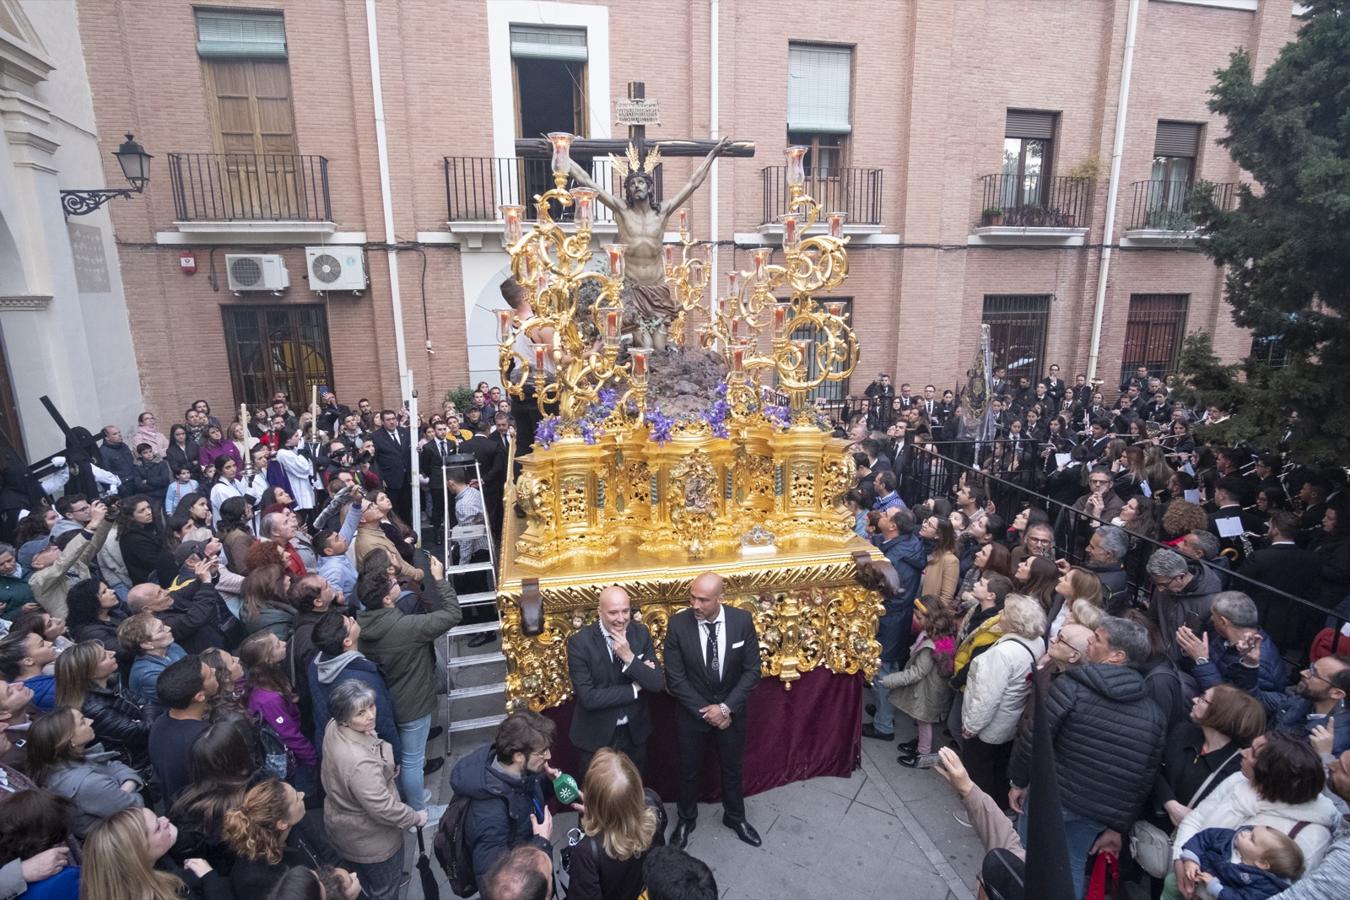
x=135, y=163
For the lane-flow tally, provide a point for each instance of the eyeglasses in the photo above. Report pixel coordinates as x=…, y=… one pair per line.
x=1060, y=639
x=1316, y=676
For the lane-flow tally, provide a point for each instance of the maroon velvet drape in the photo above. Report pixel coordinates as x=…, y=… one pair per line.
x=813, y=729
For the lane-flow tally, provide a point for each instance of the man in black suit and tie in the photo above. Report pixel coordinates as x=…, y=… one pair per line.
x=712, y=662
x=487, y=449
x=611, y=664
x=433, y=461
x=391, y=461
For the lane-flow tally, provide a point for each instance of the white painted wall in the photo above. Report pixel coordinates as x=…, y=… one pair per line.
x=77, y=349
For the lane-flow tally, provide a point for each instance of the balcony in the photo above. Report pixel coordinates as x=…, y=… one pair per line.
x=1163, y=212
x=1033, y=209
x=477, y=186
x=854, y=192
x=244, y=193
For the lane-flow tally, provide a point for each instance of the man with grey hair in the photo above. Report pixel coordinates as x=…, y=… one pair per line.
x=1108, y=739
x=1218, y=659
x=1106, y=551
x=1182, y=592
x=1205, y=547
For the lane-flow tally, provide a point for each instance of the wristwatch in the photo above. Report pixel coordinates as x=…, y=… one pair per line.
x=1201, y=660
x=726, y=711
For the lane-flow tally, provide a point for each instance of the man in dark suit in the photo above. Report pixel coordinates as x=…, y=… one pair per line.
x=487, y=449
x=433, y=459
x=1286, y=567
x=712, y=662
x=391, y=461
x=610, y=664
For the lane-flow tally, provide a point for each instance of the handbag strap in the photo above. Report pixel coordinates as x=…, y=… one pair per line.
x=1204, y=784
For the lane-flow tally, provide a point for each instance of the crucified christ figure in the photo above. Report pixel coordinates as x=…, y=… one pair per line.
x=648, y=305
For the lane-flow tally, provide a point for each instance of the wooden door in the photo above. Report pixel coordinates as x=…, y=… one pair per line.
x=254, y=131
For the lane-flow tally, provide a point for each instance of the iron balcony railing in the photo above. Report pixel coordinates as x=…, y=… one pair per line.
x=250, y=187
x=1035, y=201
x=855, y=192
x=1163, y=205
x=477, y=186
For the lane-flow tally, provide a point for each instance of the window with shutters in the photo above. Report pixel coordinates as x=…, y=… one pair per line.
x=819, y=101
x=1175, y=148
x=1154, y=328
x=277, y=348
x=1017, y=326
x=1028, y=153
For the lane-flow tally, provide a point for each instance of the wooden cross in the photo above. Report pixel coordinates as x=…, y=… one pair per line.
x=538, y=148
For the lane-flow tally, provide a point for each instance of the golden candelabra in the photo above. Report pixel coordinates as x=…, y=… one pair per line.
x=616, y=491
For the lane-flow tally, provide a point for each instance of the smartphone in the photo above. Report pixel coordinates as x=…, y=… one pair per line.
x=1194, y=623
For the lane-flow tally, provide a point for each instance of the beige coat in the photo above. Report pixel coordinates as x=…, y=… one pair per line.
x=370, y=538
x=362, y=812
x=940, y=578
x=920, y=690
x=51, y=585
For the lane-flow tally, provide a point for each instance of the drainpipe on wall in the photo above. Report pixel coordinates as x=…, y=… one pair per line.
x=387, y=199
x=714, y=75
x=1112, y=189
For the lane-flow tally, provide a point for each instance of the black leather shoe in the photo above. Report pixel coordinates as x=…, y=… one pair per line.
x=435, y=732
x=908, y=746
x=870, y=732
x=870, y=709
x=744, y=830
x=433, y=766
x=680, y=836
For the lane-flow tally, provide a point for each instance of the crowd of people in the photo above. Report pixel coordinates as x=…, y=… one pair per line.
x=1175, y=608
x=218, y=647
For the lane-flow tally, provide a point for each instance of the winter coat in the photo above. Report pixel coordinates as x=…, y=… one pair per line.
x=284, y=718
x=326, y=673
x=1108, y=738
x=1272, y=675
x=1213, y=850
x=273, y=617
x=1171, y=609
x=141, y=546
x=500, y=806
x=1235, y=802
x=52, y=584
x=120, y=724
x=940, y=577
x=145, y=673
x=152, y=479
x=119, y=460
x=14, y=593
x=402, y=646
x=94, y=786
x=1115, y=587
x=920, y=690
x=977, y=640
x=370, y=538
x=103, y=632
x=997, y=688
x=199, y=618
x=906, y=553
x=111, y=563
x=362, y=812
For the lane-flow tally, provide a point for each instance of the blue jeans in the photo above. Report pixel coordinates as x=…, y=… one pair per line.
x=1079, y=834
x=884, y=720
x=412, y=760
x=381, y=880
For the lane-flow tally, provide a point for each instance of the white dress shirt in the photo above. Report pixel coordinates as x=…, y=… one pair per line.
x=721, y=621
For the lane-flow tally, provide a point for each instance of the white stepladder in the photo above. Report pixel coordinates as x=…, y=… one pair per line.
x=471, y=675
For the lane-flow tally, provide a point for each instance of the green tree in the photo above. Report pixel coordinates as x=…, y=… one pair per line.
x=1286, y=246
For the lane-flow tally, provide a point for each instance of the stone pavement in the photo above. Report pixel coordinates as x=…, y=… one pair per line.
x=886, y=832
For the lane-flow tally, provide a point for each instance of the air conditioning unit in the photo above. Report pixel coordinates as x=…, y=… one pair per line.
x=336, y=268
x=256, y=272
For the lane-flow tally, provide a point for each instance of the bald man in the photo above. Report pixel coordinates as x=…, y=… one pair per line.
x=712, y=662
x=611, y=664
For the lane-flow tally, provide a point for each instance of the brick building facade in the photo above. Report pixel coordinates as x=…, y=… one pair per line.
x=923, y=116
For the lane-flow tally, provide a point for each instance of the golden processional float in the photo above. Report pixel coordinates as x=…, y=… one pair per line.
x=652, y=467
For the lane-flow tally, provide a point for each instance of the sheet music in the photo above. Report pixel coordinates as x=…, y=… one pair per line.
x=1229, y=526
x=1193, y=496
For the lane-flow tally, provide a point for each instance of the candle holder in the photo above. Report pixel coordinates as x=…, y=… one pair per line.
x=795, y=168
x=835, y=221
x=584, y=200
x=615, y=253
x=512, y=216
x=790, y=223
x=561, y=142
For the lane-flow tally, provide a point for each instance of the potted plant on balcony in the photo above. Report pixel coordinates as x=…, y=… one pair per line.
x=992, y=215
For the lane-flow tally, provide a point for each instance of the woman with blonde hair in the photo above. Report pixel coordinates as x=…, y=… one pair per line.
x=1075, y=584
x=997, y=690
x=261, y=832
x=131, y=848
x=86, y=679
x=622, y=822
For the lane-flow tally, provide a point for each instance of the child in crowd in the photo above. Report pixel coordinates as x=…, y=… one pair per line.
x=921, y=690
x=1246, y=864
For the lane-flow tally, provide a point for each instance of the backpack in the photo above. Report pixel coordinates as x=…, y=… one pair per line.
x=451, y=846
x=277, y=761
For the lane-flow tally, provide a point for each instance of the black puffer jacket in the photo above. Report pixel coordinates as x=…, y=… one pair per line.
x=119, y=724
x=1108, y=736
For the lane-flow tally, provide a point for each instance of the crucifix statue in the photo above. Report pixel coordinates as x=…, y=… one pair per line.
x=641, y=218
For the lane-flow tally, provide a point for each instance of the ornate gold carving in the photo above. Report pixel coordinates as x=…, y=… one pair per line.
x=694, y=486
